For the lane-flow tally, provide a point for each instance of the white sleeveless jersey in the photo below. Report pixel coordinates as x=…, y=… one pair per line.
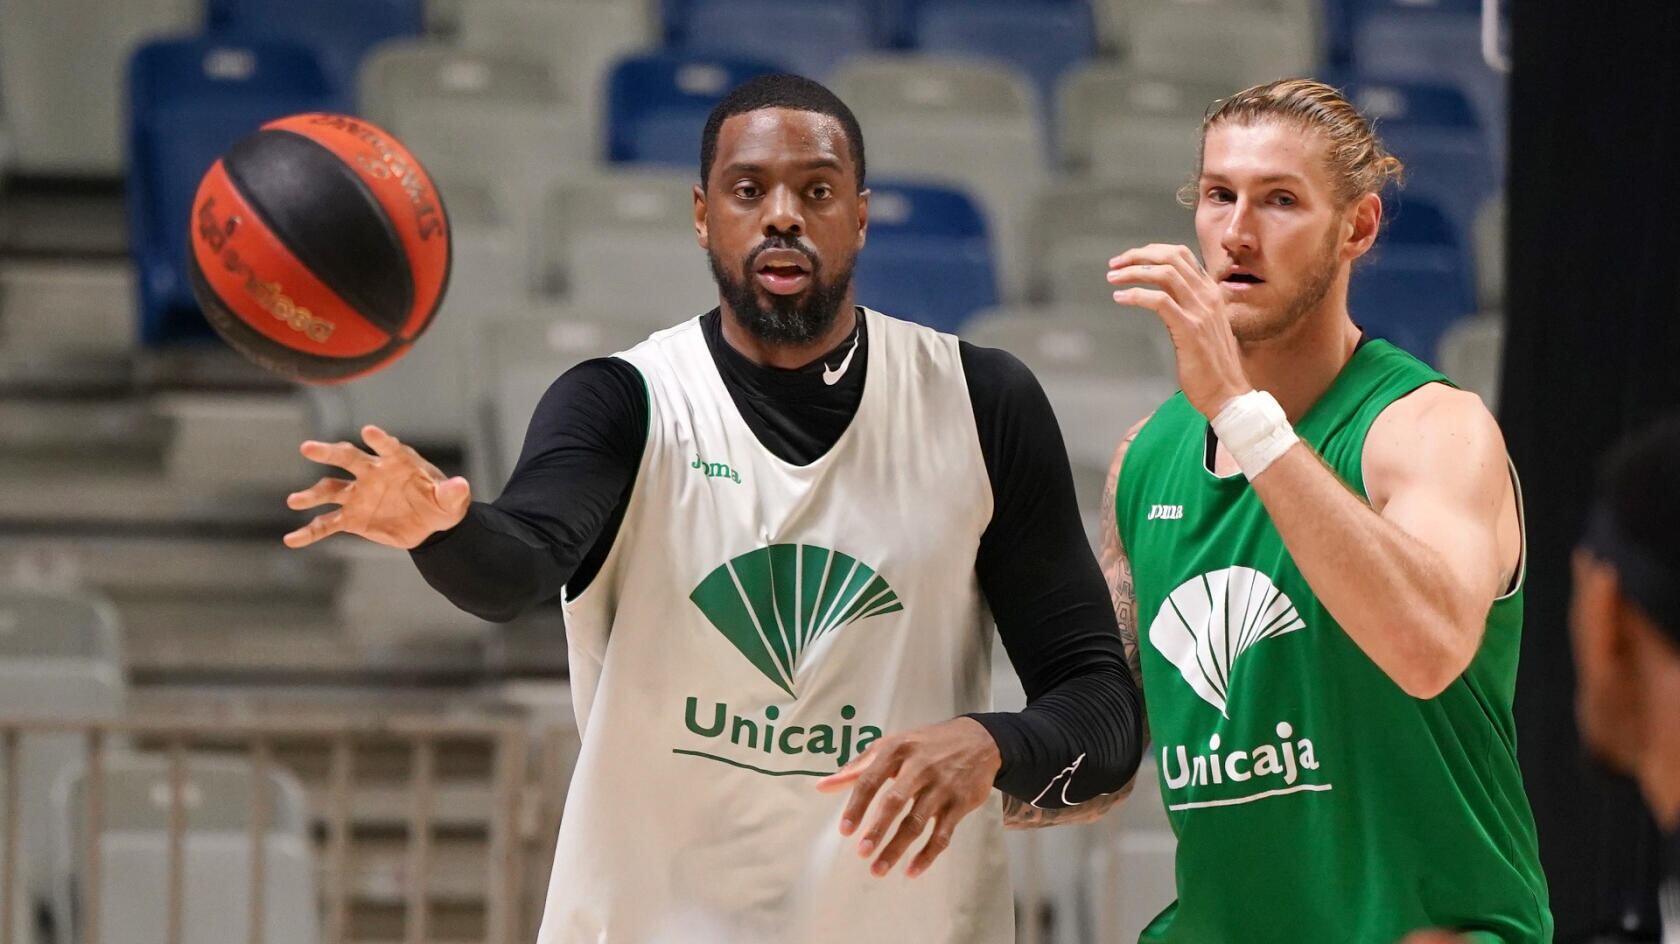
x=756, y=625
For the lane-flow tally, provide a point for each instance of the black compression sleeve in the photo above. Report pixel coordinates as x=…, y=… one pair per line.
x=561, y=505
x=1081, y=732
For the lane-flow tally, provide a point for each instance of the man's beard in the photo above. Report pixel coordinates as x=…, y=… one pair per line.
x=789, y=319
x=1312, y=293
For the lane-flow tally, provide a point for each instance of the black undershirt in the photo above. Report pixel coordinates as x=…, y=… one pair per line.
x=561, y=510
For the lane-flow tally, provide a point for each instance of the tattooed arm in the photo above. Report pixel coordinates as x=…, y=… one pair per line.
x=1117, y=570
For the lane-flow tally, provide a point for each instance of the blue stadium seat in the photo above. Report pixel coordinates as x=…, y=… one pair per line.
x=189, y=100
x=808, y=38
x=1416, y=281
x=928, y=258
x=1431, y=42
x=1042, y=38
x=1434, y=130
x=657, y=104
x=341, y=31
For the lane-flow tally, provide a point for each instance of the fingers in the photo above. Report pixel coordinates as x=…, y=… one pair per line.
x=944, y=824
x=328, y=491
x=1155, y=300
x=321, y=527
x=341, y=454
x=1167, y=278
x=869, y=779
x=1179, y=257
x=909, y=829
x=382, y=443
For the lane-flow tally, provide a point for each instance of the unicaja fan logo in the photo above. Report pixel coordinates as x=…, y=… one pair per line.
x=1206, y=625
x=773, y=603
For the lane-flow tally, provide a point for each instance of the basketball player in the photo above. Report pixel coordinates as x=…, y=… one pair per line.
x=1317, y=562
x=781, y=529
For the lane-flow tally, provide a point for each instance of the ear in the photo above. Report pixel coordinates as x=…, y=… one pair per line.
x=1600, y=621
x=863, y=218
x=1363, y=222
x=701, y=234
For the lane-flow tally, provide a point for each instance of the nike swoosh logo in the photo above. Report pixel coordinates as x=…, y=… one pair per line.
x=832, y=377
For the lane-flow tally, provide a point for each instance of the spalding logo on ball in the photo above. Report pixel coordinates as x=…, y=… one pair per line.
x=320, y=248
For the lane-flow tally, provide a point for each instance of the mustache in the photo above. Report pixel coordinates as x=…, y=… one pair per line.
x=782, y=241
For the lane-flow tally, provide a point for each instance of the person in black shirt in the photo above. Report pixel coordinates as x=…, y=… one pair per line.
x=791, y=349
x=1625, y=621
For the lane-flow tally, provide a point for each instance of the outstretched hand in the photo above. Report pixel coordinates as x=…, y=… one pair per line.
x=941, y=772
x=395, y=497
x=1169, y=281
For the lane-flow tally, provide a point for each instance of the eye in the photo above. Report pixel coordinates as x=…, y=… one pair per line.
x=1219, y=195
x=822, y=192
x=1286, y=199
x=747, y=191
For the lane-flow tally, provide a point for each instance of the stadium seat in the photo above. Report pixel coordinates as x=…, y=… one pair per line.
x=425, y=398
x=657, y=104
x=1471, y=353
x=928, y=259
x=1116, y=19
x=479, y=117
x=1415, y=281
x=578, y=39
x=340, y=31
x=1130, y=861
x=1077, y=226
x=61, y=77
x=61, y=658
x=520, y=355
x=625, y=241
x=1041, y=38
x=1488, y=240
x=134, y=852
x=1103, y=369
x=1434, y=130
x=1142, y=131
x=189, y=100
x=1222, y=43
x=1430, y=41
x=955, y=123
x=804, y=38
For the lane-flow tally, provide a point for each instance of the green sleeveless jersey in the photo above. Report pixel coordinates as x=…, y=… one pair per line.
x=1313, y=799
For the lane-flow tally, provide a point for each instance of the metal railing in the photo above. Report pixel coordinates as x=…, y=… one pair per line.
x=505, y=913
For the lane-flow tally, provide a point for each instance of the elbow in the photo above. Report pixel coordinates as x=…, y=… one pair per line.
x=1439, y=663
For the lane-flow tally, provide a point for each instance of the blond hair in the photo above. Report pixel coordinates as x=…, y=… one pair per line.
x=1357, y=161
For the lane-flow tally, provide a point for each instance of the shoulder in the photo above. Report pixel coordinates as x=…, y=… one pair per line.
x=1436, y=431
x=997, y=375
x=606, y=378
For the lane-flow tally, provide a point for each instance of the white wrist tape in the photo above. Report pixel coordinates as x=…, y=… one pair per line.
x=1255, y=431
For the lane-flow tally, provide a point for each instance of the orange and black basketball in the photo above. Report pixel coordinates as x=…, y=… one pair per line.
x=320, y=247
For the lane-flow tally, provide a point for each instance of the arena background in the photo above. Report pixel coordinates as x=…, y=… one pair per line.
x=302, y=747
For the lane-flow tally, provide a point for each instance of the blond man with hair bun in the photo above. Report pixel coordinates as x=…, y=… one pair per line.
x=1316, y=553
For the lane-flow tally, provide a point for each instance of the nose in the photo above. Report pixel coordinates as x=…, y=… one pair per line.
x=783, y=213
x=1239, y=235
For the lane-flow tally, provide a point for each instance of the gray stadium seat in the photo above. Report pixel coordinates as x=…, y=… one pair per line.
x=1116, y=19
x=577, y=38
x=624, y=240
x=424, y=397
x=135, y=852
x=1471, y=353
x=23, y=913
x=1078, y=226
x=520, y=356
x=1103, y=368
x=491, y=118
x=955, y=122
x=63, y=71
x=1488, y=237
x=1144, y=130
x=1233, y=44
x=61, y=658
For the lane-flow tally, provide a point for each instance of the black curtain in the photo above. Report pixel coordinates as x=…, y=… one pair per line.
x=1592, y=351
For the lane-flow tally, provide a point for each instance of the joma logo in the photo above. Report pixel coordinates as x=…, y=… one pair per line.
x=1166, y=512
x=716, y=470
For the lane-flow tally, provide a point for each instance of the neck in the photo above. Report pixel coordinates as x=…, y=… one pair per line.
x=787, y=356
x=1298, y=366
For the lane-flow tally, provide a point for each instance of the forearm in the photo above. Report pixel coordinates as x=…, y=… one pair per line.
x=1393, y=595
x=492, y=565
x=1080, y=740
